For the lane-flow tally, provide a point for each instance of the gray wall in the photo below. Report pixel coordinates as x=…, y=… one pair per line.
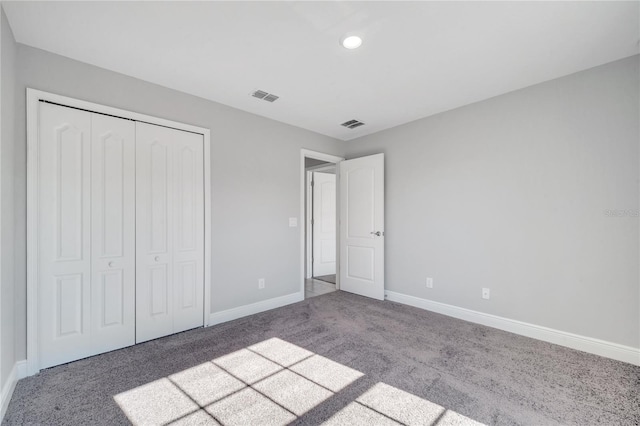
x=510, y=193
x=252, y=199
x=7, y=138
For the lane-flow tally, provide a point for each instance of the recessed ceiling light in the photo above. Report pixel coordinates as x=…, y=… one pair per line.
x=351, y=42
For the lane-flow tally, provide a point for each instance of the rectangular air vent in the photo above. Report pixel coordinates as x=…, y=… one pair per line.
x=259, y=94
x=352, y=124
x=265, y=96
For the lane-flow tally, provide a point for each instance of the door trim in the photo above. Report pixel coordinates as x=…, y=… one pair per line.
x=308, y=215
x=33, y=99
x=323, y=157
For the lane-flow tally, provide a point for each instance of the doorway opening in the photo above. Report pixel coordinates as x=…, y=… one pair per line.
x=359, y=222
x=320, y=274
x=320, y=261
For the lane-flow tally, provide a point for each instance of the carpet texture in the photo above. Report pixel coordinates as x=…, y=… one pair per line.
x=397, y=360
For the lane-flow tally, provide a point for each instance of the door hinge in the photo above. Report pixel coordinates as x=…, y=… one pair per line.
x=313, y=183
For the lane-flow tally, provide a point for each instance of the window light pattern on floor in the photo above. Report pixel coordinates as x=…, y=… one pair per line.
x=386, y=405
x=272, y=383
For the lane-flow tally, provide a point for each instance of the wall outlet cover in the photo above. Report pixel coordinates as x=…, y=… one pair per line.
x=486, y=293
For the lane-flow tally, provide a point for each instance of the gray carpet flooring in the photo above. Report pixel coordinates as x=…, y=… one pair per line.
x=386, y=358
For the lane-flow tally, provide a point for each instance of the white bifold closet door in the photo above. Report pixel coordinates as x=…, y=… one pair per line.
x=169, y=231
x=120, y=212
x=86, y=246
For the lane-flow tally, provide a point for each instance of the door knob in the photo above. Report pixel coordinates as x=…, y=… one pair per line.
x=111, y=264
x=157, y=258
x=377, y=233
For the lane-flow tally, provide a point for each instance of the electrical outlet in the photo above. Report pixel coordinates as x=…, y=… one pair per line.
x=293, y=222
x=260, y=283
x=486, y=293
x=429, y=282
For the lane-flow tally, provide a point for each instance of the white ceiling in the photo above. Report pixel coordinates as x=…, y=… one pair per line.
x=417, y=58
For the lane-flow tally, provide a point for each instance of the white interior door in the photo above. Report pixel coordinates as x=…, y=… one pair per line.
x=362, y=226
x=112, y=232
x=85, y=247
x=324, y=224
x=169, y=231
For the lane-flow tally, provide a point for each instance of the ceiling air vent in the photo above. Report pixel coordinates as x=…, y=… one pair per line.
x=352, y=124
x=261, y=94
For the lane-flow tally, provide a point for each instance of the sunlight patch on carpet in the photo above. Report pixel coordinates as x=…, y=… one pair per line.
x=249, y=407
x=247, y=366
x=155, y=403
x=206, y=383
x=273, y=383
x=385, y=405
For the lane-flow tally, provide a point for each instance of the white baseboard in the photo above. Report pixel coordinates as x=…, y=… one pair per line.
x=570, y=340
x=19, y=371
x=254, y=308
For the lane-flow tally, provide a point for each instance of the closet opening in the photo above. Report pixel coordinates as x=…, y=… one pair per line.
x=118, y=228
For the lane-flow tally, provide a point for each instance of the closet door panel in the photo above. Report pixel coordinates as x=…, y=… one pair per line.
x=188, y=248
x=113, y=232
x=64, y=270
x=159, y=193
x=154, y=260
x=169, y=230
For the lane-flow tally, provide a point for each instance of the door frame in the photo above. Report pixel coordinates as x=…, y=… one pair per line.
x=33, y=100
x=306, y=153
x=308, y=270
x=309, y=212
x=309, y=206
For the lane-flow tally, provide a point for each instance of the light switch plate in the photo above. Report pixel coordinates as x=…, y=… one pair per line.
x=293, y=222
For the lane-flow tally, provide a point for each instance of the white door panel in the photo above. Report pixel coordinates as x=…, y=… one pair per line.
x=154, y=316
x=112, y=232
x=169, y=230
x=64, y=282
x=86, y=247
x=188, y=247
x=324, y=224
x=362, y=226
x=360, y=211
